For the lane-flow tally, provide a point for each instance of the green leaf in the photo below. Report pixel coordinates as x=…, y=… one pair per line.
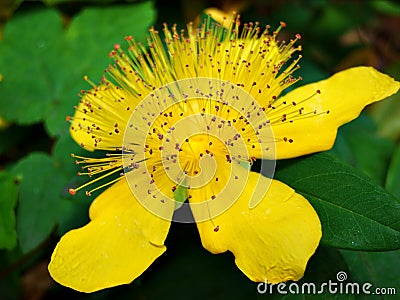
x=393, y=175
x=94, y=32
x=380, y=269
x=8, y=201
x=75, y=211
x=297, y=17
x=310, y=72
x=63, y=148
x=359, y=145
x=41, y=186
x=29, y=52
x=333, y=20
x=56, y=2
x=355, y=212
x=387, y=7
x=89, y=39
x=66, y=96
x=386, y=115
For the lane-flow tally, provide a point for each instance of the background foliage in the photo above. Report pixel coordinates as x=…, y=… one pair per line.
x=46, y=49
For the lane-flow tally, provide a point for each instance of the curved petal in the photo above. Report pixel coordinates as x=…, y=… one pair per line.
x=272, y=241
x=100, y=118
x=118, y=245
x=340, y=100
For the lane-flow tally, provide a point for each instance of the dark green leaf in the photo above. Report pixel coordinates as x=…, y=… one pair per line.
x=387, y=7
x=63, y=148
x=90, y=37
x=380, y=269
x=75, y=213
x=310, y=72
x=393, y=175
x=66, y=98
x=55, y=2
x=29, y=52
x=334, y=20
x=386, y=115
x=359, y=145
x=94, y=32
x=41, y=186
x=297, y=17
x=355, y=212
x=8, y=201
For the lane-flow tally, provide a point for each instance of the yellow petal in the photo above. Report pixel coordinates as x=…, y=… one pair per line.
x=344, y=95
x=219, y=185
x=118, y=245
x=272, y=241
x=100, y=118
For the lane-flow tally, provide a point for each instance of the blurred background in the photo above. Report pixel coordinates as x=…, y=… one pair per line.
x=47, y=47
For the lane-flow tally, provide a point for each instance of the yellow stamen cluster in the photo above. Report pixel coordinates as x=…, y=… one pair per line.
x=249, y=58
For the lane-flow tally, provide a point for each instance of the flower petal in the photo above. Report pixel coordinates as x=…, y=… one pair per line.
x=344, y=95
x=118, y=245
x=272, y=241
x=101, y=116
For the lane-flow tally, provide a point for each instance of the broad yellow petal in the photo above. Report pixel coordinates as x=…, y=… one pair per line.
x=272, y=241
x=118, y=245
x=339, y=100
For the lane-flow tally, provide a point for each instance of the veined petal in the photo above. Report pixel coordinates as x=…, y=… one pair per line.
x=272, y=241
x=118, y=245
x=326, y=105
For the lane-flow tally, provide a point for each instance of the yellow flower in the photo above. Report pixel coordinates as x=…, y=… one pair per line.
x=186, y=122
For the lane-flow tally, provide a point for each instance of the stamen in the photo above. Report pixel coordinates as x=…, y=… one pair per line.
x=290, y=113
x=96, y=179
x=89, y=193
x=251, y=58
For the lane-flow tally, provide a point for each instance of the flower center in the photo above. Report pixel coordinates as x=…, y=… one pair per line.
x=200, y=147
x=186, y=136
